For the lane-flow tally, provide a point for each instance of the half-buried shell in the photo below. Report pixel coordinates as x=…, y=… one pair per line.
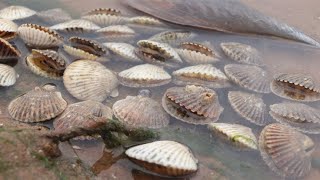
x=146, y=24
x=46, y=63
x=203, y=74
x=145, y=75
x=299, y=116
x=8, y=29
x=38, y=36
x=140, y=112
x=241, y=136
x=192, y=104
x=16, y=12
x=90, y=80
x=124, y=50
x=8, y=51
x=286, y=151
x=8, y=75
x=249, y=106
x=40, y=104
x=299, y=87
x=54, y=16
x=249, y=77
x=105, y=17
x=172, y=37
x=117, y=33
x=76, y=26
x=166, y=158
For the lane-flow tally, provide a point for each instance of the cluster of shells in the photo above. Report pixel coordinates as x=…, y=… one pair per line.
x=170, y=58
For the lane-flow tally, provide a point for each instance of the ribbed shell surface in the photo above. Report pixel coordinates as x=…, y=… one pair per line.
x=117, y=33
x=8, y=29
x=76, y=25
x=124, y=50
x=8, y=75
x=172, y=37
x=7, y=51
x=16, y=12
x=105, y=17
x=79, y=53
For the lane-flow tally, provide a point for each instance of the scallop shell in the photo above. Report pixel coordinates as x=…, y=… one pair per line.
x=16, y=12
x=46, y=63
x=89, y=80
x=192, y=104
x=172, y=37
x=140, y=112
x=40, y=104
x=54, y=16
x=118, y=33
x=239, y=135
x=299, y=116
x=203, y=74
x=145, y=75
x=249, y=106
x=299, y=87
x=286, y=151
x=146, y=24
x=76, y=26
x=124, y=50
x=105, y=16
x=242, y=53
x=39, y=36
x=8, y=29
x=167, y=158
x=8, y=75
x=8, y=51
x=249, y=77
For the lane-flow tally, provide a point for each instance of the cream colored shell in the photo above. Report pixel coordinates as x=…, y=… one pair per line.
x=8, y=29
x=16, y=12
x=8, y=75
x=76, y=25
x=124, y=50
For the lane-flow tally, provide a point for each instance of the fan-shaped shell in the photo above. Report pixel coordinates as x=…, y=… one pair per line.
x=172, y=37
x=240, y=135
x=124, y=50
x=145, y=75
x=286, y=151
x=8, y=51
x=249, y=106
x=167, y=158
x=54, y=16
x=203, y=74
x=46, y=63
x=8, y=29
x=249, y=77
x=117, y=33
x=146, y=24
x=140, y=111
x=76, y=25
x=8, y=75
x=16, y=12
x=192, y=104
x=89, y=80
x=299, y=87
x=38, y=36
x=299, y=116
x=40, y=104
x=105, y=16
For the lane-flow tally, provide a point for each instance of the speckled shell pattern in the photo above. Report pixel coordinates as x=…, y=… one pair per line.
x=123, y=50
x=117, y=33
x=8, y=75
x=76, y=26
x=105, y=17
x=16, y=12
x=168, y=158
x=54, y=16
x=8, y=29
x=172, y=37
x=7, y=51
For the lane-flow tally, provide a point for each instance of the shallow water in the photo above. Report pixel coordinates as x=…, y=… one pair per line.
x=217, y=159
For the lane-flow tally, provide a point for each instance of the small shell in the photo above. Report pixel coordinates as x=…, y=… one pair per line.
x=46, y=63
x=172, y=37
x=16, y=12
x=145, y=75
x=146, y=24
x=240, y=135
x=54, y=16
x=249, y=106
x=8, y=51
x=299, y=116
x=8, y=29
x=167, y=158
x=140, y=112
x=299, y=87
x=124, y=50
x=76, y=26
x=105, y=17
x=242, y=53
x=89, y=80
x=40, y=104
x=38, y=36
x=8, y=75
x=249, y=77
x=117, y=33
x=192, y=104
x=286, y=151
x=203, y=74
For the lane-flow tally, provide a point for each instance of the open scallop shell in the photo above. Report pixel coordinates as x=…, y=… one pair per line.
x=124, y=50
x=172, y=37
x=167, y=158
x=249, y=77
x=203, y=74
x=16, y=12
x=8, y=51
x=249, y=106
x=299, y=116
x=286, y=151
x=105, y=16
x=8, y=75
x=239, y=135
x=117, y=33
x=38, y=36
x=192, y=104
x=46, y=63
x=8, y=29
x=76, y=26
x=89, y=80
x=40, y=104
x=145, y=75
x=54, y=16
x=299, y=87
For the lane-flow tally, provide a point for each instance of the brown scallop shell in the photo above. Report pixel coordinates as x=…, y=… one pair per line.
x=8, y=29
x=76, y=26
x=8, y=51
x=105, y=16
x=16, y=12
x=192, y=104
x=54, y=16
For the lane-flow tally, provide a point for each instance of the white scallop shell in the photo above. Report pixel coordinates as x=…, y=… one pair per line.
x=8, y=29
x=203, y=74
x=147, y=24
x=77, y=25
x=79, y=53
x=8, y=75
x=164, y=157
x=16, y=12
x=54, y=16
x=172, y=36
x=7, y=50
x=89, y=80
x=124, y=50
x=145, y=75
x=118, y=33
x=105, y=17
